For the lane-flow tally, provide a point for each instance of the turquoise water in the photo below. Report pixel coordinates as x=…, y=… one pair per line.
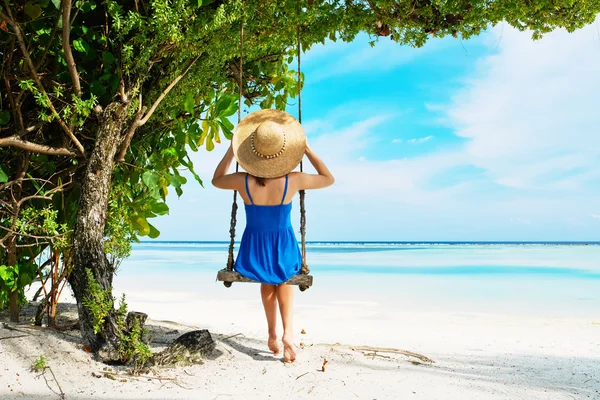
x=556, y=278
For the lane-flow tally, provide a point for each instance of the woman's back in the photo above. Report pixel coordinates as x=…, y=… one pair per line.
x=271, y=194
x=262, y=215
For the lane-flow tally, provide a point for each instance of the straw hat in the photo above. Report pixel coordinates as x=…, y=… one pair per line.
x=269, y=143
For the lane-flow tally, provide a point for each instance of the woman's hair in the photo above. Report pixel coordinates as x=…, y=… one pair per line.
x=260, y=181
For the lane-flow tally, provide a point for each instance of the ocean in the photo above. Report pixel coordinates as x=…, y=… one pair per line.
x=541, y=278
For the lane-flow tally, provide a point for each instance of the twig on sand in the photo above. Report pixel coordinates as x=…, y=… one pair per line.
x=158, y=378
x=176, y=383
x=374, y=354
x=61, y=394
x=393, y=351
x=13, y=337
x=371, y=349
x=306, y=373
x=10, y=328
x=232, y=336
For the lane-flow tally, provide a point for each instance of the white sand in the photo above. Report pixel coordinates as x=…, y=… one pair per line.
x=478, y=355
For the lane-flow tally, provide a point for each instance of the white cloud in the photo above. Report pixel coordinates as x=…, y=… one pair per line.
x=596, y=216
x=420, y=140
x=530, y=112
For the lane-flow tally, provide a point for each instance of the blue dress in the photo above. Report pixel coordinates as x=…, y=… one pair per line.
x=269, y=250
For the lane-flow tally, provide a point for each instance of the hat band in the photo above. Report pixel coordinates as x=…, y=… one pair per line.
x=270, y=156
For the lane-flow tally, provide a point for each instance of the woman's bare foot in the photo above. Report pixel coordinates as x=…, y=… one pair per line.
x=274, y=344
x=289, y=353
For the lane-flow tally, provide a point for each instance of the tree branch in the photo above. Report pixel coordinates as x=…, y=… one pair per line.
x=32, y=197
x=234, y=68
x=167, y=90
x=15, y=106
x=130, y=132
x=66, y=31
x=16, y=141
x=37, y=79
x=45, y=196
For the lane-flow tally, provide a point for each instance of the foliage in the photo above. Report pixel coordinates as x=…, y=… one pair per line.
x=16, y=278
x=99, y=303
x=39, y=365
x=119, y=232
x=130, y=345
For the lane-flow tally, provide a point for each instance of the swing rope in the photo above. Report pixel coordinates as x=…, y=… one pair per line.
x=234, y=206
x=304, y=270
x=230, y=259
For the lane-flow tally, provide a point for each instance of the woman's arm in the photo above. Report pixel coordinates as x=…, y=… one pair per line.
x=311, y=181
x=221, y=179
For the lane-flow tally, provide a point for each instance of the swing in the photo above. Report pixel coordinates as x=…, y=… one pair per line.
x=227, y=275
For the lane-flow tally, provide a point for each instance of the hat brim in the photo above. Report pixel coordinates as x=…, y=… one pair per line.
x=273, y=167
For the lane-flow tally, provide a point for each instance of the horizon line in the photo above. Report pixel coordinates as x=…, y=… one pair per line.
x=592, y=242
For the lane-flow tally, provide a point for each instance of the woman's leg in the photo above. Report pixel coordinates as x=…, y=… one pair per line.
x=269, y=299
x=285, y=297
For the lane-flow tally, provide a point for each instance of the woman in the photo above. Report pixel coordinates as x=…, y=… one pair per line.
x=269, y=144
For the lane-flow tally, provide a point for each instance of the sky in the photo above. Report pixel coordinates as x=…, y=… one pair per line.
x=492, y=139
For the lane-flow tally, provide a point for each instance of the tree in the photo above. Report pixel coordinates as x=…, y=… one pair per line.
x=120, y=91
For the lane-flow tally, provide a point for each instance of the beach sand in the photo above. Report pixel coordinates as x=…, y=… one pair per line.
x=476, y=354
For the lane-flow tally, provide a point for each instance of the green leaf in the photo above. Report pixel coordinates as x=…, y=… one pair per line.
x=32, y=10
x=150, y=179
x=197, y=178
x=179, y=191
x=107, y=58
x=3, y=176
x=227, y=128
x=98, y=88
x=204, y=2
x=160, y=208
x=44, y=3
x=134, y=178
x=81, y=45
x=27, y=274
x=189, y=103
x=154, y=233
x=35, y=183
x=178, y=180
x=210, y=146
x=56, y=4
x=4, y=117
x=229, y=111
x=88, y=6
x=170, y=154
x=223, y=104
x=8, y=276
x=141, y=225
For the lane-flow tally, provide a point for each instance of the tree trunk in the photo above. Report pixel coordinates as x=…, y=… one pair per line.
x=88, y=235
x=13, y=297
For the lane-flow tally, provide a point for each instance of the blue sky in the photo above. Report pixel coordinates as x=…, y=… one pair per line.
x=495, y=138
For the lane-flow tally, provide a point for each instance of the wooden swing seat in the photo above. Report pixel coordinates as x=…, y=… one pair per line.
x=232, y=276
